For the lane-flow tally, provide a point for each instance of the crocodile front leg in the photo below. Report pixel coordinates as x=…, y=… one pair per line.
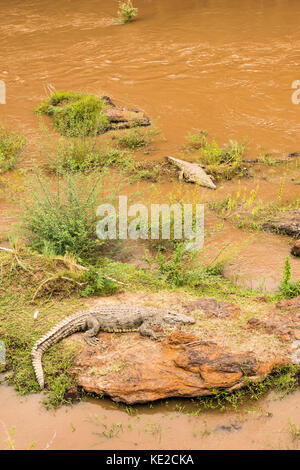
x=93, y=326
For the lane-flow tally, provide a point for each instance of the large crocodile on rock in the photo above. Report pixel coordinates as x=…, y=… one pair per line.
x=110, y=318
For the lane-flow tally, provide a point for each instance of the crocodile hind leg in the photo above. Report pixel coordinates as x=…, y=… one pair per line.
x=93, y=329
x=147, y=330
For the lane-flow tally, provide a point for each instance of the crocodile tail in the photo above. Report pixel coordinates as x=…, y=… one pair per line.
x=65, y=328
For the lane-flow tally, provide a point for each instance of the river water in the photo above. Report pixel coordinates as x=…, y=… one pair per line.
x=224, y=66
x=102, y=424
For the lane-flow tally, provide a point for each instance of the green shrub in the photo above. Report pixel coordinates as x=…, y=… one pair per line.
x=97, y=283
x=127, y=12
x=182, y=269
x=83, y=154
x=221, y=162
x=288, y=288
x=135, y=138
x=76, y=114
x=11, y=146
x=64, y=219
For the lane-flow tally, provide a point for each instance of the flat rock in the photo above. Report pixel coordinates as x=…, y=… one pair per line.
x=133, y=369
x=122, y=118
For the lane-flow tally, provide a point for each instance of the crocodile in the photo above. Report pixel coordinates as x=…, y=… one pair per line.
x=192, y=172
x=110, y=318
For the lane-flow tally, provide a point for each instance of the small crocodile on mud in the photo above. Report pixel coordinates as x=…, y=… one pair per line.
x=192, y=172
x=109, y=318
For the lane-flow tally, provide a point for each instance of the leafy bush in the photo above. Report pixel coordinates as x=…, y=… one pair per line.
x=83, y=154
x=64, y=220
x=221, y=162
x=182, y=269
x=288, y=288
x=127, y=12
x=135, y=138
x=11, y=146
x=76, y=114
x=97, y=283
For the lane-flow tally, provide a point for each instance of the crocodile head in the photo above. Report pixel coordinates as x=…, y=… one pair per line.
x=173, y=317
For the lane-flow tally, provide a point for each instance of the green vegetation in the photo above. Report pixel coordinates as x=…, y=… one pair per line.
x=11, y=147
x=294, y=430
x=127, y=12
x=87, y=154
x=246, y=211
x=135, y=138
x=182, y=269
x=221, y=162
x=84, y=155
x=288, y=288
x=62, y=220
x=76, y=114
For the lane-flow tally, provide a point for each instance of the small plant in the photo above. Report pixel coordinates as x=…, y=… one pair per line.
x=11, y=443
x=288, y=288
x=11, y=147
x=196, y=140
x=97, y=283
x=127, y=12
x=182, y=269
x=112, y=431
x=294, y=430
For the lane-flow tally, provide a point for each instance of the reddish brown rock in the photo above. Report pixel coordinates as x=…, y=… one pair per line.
x=133, y=369
x=296, y=248
x=214, y=308
x=121, y=118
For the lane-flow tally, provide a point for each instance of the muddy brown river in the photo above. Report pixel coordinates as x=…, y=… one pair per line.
x=224, y=66
x=102, y=424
